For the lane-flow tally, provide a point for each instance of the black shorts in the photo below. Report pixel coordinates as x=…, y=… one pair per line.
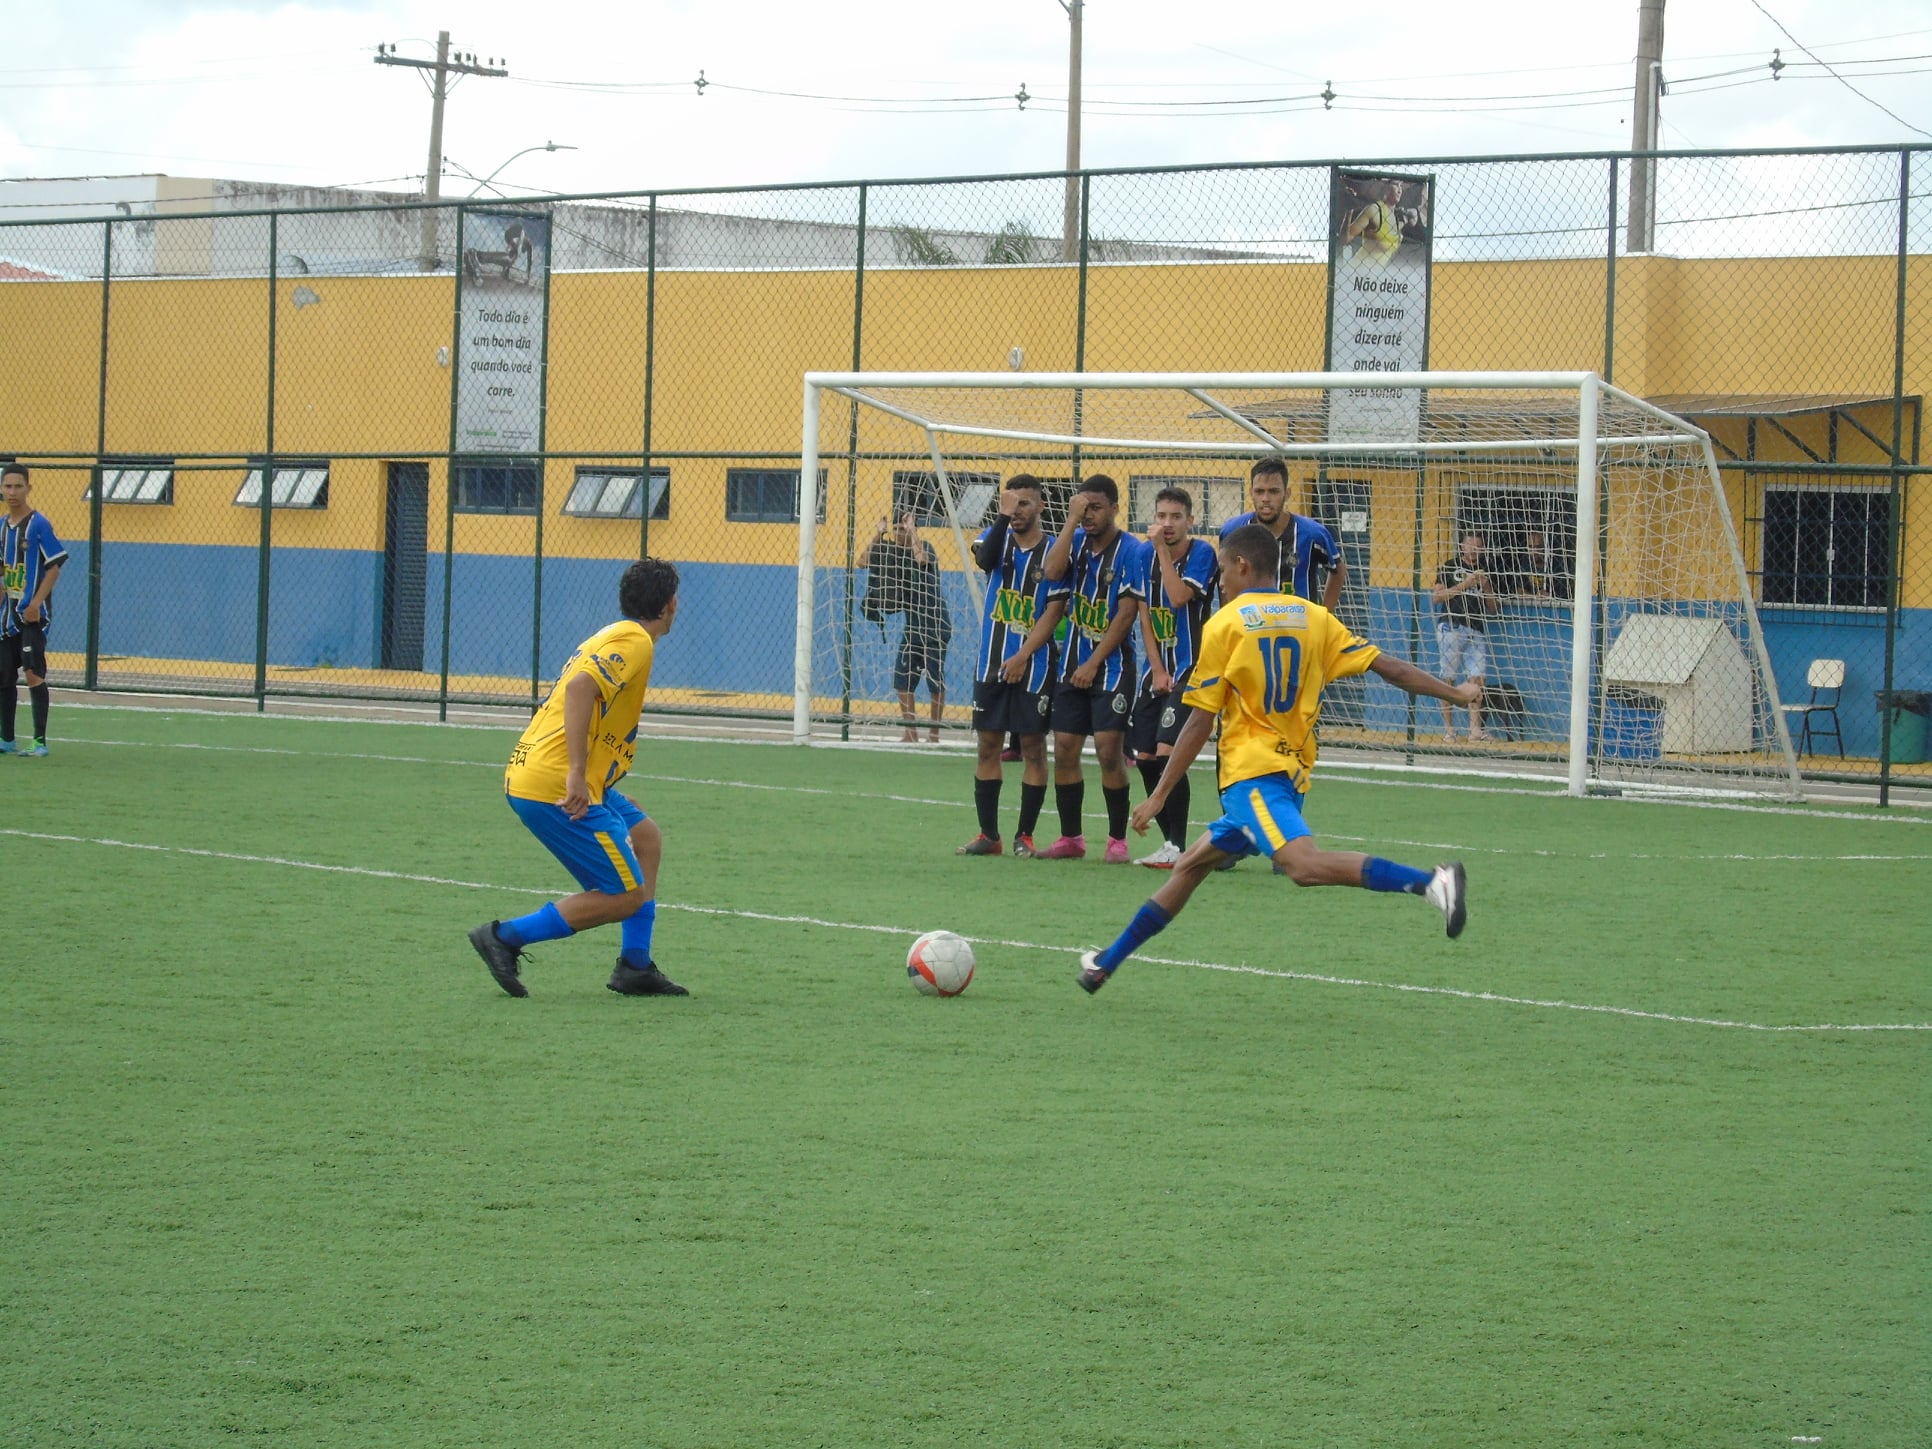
x=1156, y=721
x=1079, y=711
x=920, y=656
x=1000, y=708
x=25, y=650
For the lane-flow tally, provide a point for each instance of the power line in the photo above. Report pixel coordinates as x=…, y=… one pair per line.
x=1847, y=84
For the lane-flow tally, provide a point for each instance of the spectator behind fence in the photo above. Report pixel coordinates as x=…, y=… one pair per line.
x=1464, y=595
x=905, y=580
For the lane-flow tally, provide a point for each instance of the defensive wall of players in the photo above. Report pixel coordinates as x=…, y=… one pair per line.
x=1776, y=357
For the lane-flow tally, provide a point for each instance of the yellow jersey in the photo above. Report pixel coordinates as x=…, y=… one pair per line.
x=619, y=659
x=1264, y=660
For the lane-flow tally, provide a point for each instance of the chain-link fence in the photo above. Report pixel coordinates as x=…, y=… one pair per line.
x=400, y=451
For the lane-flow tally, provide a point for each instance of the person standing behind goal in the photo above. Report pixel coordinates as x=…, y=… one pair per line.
x=1462, y=592
x=1180, y=587
x=1012, y=688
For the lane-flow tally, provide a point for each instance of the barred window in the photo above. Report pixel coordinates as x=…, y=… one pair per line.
x=1216, y=500
x=766, y=495
x=497, y=487
x=1528, y=532
x=1825, y=547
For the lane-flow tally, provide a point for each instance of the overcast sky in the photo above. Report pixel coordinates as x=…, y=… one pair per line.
x=888, y=88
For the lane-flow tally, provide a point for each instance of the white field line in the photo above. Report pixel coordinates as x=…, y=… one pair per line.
x=907, y=932
x=1360, y=772
x=959, y=804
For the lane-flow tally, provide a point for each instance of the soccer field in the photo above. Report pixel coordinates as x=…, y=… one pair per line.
x=1639, y=1160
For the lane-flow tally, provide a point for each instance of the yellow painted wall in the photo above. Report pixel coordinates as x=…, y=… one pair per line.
x=357, y=369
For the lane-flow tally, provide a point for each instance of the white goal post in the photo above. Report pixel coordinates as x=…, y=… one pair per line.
x=1624, y=647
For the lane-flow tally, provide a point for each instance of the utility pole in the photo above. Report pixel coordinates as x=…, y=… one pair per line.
x=1644, y=122
x=1070, y=221
x=443, y=68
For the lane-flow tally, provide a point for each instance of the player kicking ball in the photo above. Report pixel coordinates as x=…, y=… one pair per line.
x=1265, y=658
x=561, y=783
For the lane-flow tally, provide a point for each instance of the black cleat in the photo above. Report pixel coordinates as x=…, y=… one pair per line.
x=500, y=956
x=627, y=980
x=1091, y=977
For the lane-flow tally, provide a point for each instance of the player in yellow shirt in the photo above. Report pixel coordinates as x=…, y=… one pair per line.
x=1265, y=657
x=561, y=782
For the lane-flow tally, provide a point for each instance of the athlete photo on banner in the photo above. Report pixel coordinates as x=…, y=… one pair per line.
x=1378, y=300
x=500, y=342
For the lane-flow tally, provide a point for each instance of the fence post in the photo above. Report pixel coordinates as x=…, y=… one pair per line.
x=543, y=469
x=449, y=461
x=267, y=499
x=851, y=476
x=1080, y=320
x=1893, y=534
x=650, y=372
x=1610, y=283
x=93, y=675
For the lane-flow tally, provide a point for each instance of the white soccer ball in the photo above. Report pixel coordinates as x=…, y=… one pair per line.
x=940, y=964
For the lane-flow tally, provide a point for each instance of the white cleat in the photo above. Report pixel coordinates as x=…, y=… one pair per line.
x=1162, y=859
x=1445, y=891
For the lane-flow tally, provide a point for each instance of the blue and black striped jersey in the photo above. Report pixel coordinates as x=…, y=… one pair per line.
x=1304, y=544
x=1178, y=630
x=27, y=550
x=1096, y=582
x=1016, y=592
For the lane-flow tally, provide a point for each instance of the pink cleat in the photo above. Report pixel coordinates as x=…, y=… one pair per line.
x=1067, y=847
x=1116, y=851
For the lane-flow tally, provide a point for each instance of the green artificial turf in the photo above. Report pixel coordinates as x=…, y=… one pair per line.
x=282, y=1163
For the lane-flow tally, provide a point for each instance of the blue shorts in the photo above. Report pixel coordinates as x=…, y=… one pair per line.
x=1258, y=817
x=596, y=850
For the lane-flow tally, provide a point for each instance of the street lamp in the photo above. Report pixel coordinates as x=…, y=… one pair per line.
x=546, y=146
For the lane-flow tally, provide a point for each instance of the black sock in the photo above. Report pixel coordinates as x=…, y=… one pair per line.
x=986, y=800
x=1120, y=802
x=38, y=697
x=1069, y=799
x=1150, y=773
x=1174, y=817
x=1032, y=802
x=9, y=707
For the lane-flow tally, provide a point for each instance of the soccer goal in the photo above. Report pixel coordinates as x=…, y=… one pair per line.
x=1623, y=647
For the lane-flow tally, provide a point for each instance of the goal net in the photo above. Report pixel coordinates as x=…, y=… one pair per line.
x=1621, y=644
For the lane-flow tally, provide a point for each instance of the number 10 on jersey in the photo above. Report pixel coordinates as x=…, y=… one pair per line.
x=1281, y=664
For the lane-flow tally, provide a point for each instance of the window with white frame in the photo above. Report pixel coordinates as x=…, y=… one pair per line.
x=618, y=493
x=1825, y=547
x=917, y=493
x=296, y=485
x=134, y=481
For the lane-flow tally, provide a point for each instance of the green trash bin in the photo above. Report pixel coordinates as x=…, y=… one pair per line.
x=1903, y=714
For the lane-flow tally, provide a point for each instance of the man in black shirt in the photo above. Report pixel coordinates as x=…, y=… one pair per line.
x=1464, y=596
x=905, y=578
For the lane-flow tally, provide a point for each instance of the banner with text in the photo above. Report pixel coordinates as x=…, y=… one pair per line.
x=1378, y=299
x=500, y=351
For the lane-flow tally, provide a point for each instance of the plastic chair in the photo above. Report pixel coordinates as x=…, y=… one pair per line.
x=1826, y=676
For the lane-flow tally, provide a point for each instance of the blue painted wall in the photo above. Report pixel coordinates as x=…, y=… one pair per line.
x=734, y=632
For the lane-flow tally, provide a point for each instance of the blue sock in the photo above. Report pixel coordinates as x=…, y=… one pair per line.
x=637, y=935
x=546, y=924
x=1385, y=875
x=1148, y=922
